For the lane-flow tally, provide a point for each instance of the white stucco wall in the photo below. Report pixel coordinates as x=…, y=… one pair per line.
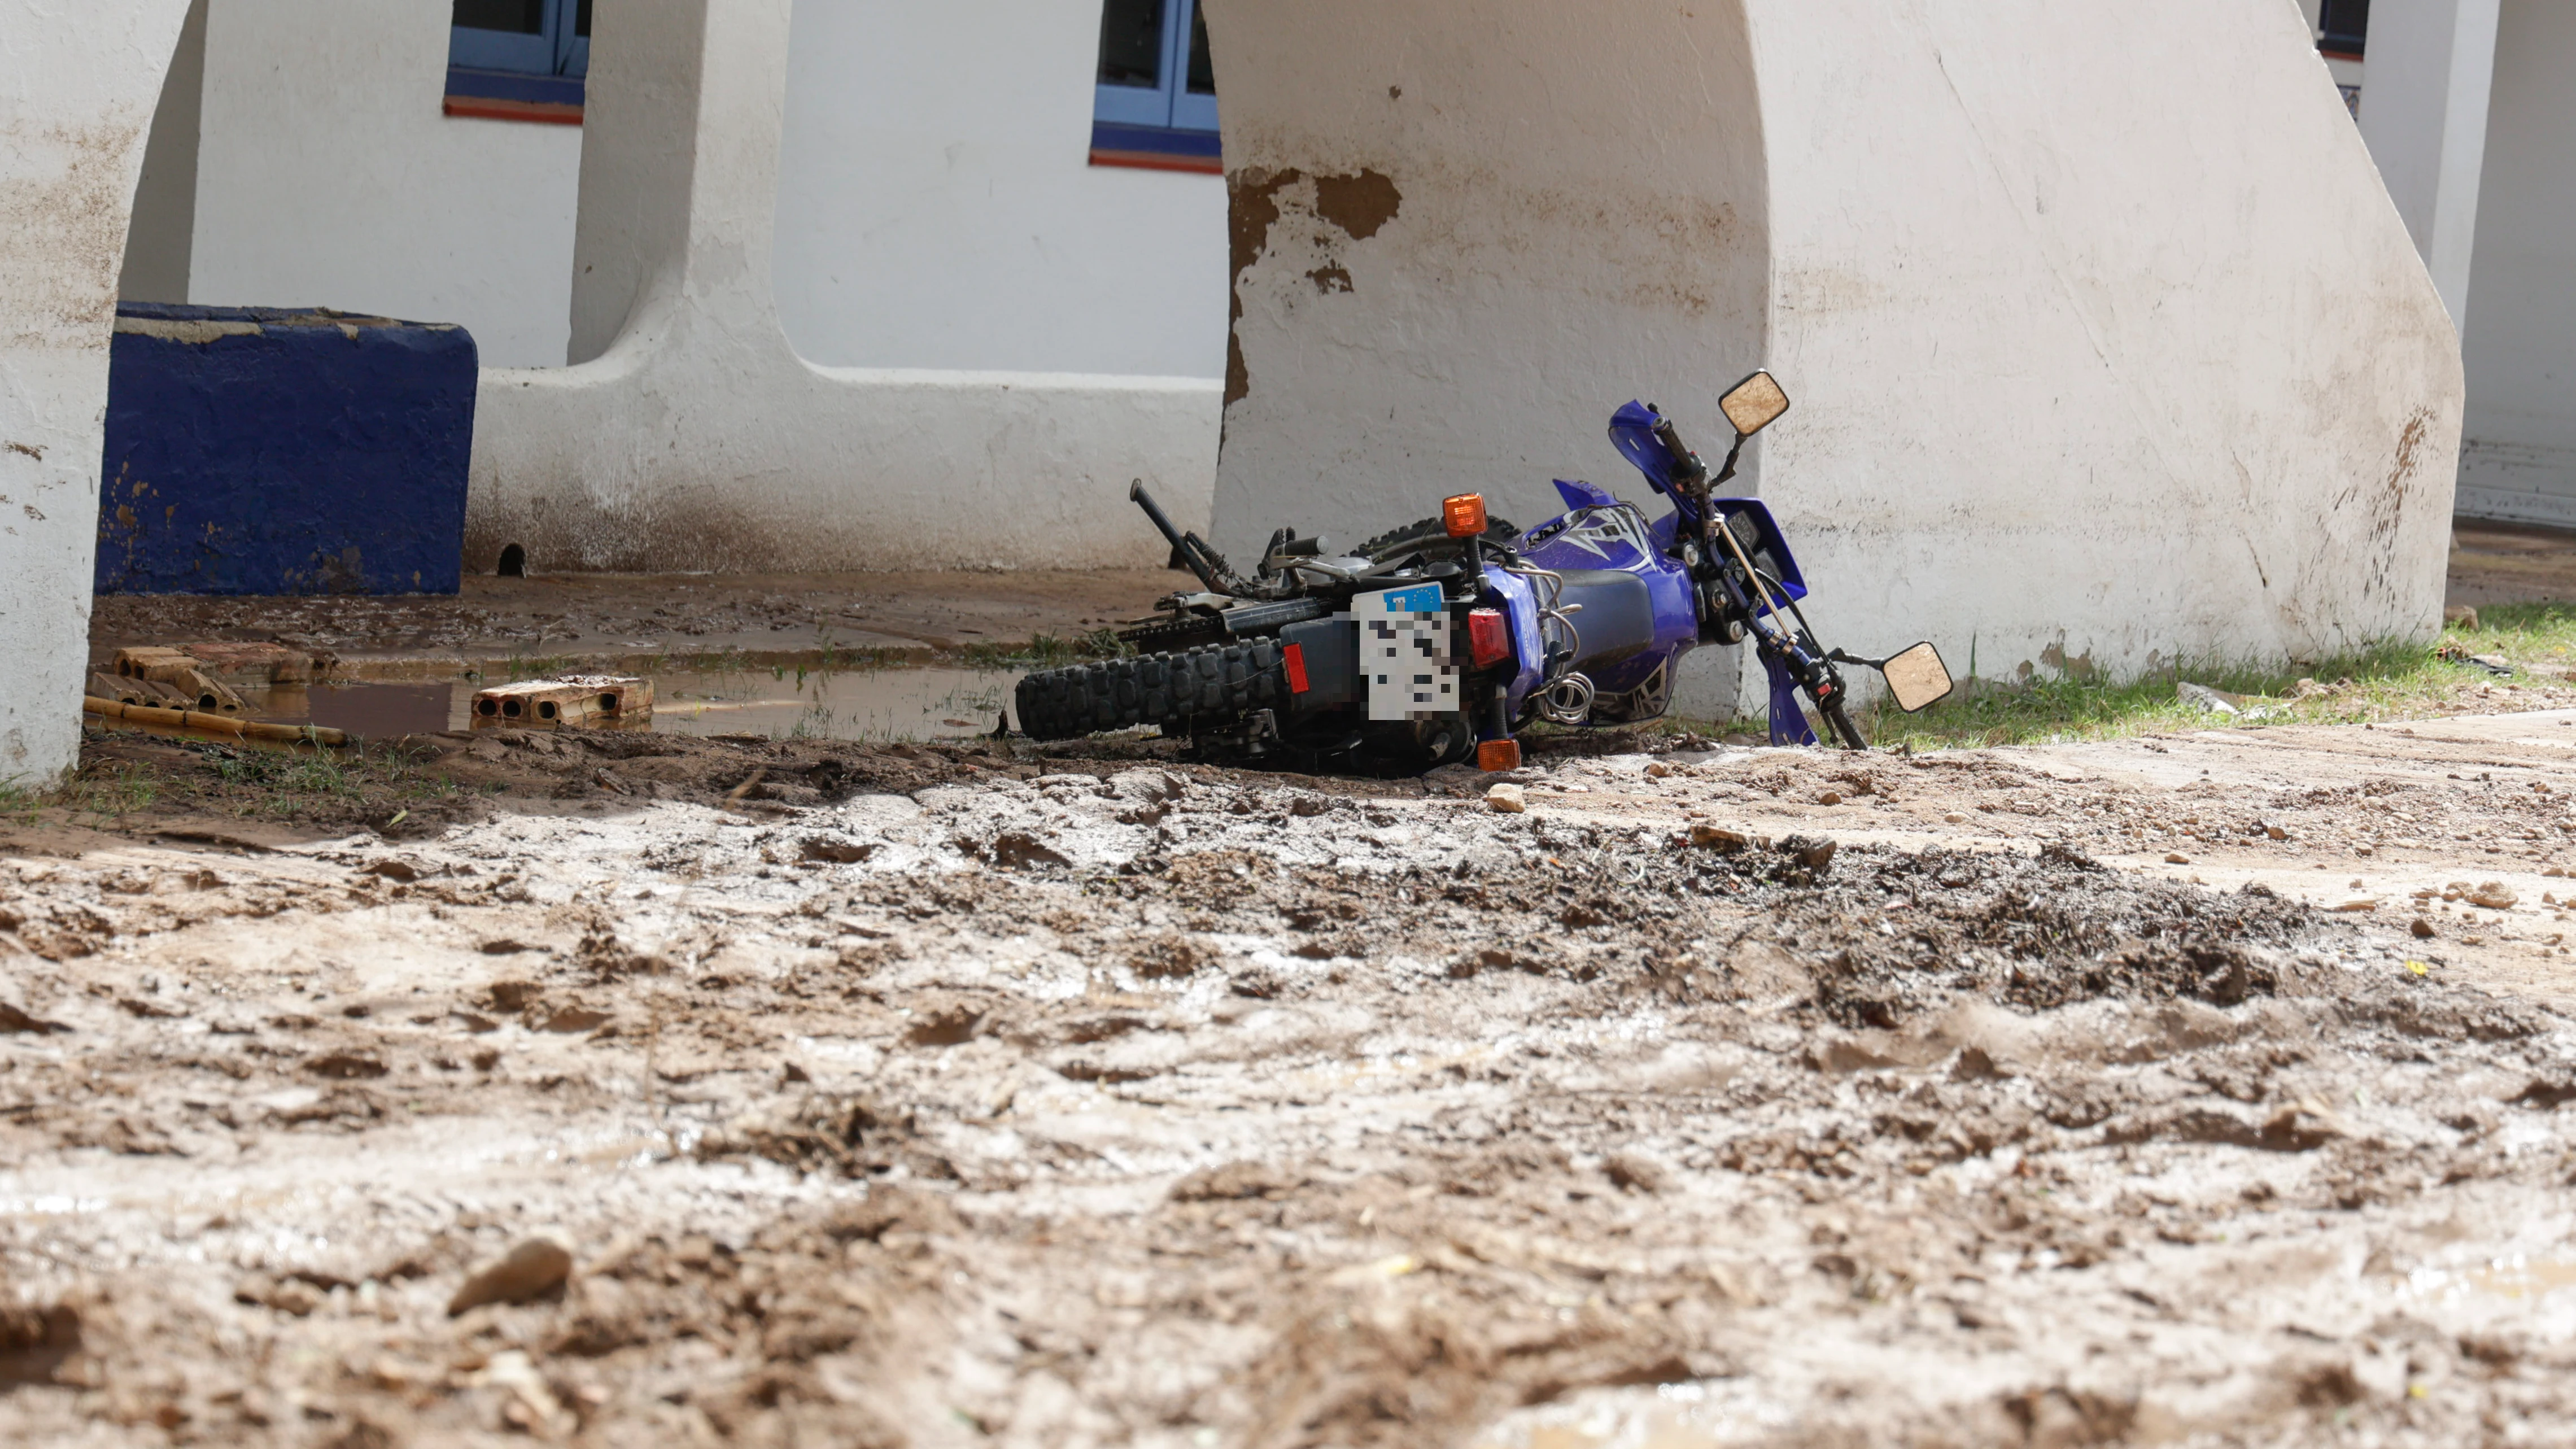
x=2424, y=116
x=2106, y=344
x=693, y=436
x=157, y=241
x=936, y=207
x=77, y=90
x=327, y=176
x=2519, y=461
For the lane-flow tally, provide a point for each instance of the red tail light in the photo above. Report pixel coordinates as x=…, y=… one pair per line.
x=1489, y=642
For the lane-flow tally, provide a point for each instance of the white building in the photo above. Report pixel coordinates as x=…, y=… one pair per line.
x=2465, y=108
x=2090, y=372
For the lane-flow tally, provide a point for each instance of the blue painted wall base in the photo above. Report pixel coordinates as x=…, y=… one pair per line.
x=255, y=450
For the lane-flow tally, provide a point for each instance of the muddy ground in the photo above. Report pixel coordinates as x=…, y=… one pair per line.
x=629, y=621
x=628, y=1089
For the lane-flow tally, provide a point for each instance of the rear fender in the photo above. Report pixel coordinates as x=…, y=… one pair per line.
x=1519, y=602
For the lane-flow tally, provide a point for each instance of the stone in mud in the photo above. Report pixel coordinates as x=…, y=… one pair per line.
x=2493, y=896
x=2423, y=929
x=1507, y=800
x=533, y=1269
x=1636, y=1172
x=1710, y=837
x=1809, y=851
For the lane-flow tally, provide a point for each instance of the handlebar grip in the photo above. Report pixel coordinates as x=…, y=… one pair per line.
x=1303, y=547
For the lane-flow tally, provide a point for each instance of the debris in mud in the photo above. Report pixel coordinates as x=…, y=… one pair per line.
x=533, y=1269
x=577, y=702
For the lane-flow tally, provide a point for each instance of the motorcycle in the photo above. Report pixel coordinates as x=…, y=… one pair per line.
x=1443, y=639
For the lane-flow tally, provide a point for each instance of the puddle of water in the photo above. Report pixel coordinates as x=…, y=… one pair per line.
x=887, y=704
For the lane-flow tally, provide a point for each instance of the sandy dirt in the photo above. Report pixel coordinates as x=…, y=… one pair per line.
x=677, y=1091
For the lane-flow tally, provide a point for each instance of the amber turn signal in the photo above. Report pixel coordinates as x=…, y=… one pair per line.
x=1465, y=514
x=1495, y=756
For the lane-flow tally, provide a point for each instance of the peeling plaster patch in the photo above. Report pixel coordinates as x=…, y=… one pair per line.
x=1360, y=206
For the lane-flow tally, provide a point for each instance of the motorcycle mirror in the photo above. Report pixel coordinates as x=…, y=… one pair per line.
x=1754, y=404
x=1917, y=678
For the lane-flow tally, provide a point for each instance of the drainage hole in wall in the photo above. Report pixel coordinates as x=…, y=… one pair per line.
x=514, y=563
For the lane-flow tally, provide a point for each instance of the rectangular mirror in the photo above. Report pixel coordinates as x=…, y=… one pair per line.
x=1754, y=404
x=1917, y=678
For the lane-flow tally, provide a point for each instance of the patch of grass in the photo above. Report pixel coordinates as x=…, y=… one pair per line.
x=518, y=667
x=18, y=802
x=111, y=791
x=2396, y=681
x=1046, y=651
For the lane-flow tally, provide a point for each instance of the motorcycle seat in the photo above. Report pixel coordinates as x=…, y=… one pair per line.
x=1618, y=614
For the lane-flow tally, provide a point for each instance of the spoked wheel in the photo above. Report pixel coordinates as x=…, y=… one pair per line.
x=1205, y=688
x=1430, y=536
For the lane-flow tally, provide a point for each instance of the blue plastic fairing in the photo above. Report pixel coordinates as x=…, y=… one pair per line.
x=1632, y=432
x=1578, y=494
x=1770, y=551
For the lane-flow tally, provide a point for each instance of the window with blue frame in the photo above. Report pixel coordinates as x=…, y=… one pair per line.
x=1155, y=105
x=2344, y=27
x=518, y=60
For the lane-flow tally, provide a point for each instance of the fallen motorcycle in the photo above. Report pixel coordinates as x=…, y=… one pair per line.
x=1440, y=640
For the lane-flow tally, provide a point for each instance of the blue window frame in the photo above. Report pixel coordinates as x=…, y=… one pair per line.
x=523, y=37
x=518, y=60
x=1155, y=102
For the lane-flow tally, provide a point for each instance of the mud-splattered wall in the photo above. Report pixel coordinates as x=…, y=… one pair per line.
x=2103, y=336
x=76, y=96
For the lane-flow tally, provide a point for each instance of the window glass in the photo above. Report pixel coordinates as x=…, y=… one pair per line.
x=1202, y=68
x=581, y=20
x=518, y=17
x=1131, y=43
x=2345, y=24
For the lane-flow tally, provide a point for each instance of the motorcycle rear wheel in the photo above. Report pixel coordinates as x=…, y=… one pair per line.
x=1431, y=536
x=1209, y=687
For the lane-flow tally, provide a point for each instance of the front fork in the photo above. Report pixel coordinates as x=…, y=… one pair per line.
x=1790, y=656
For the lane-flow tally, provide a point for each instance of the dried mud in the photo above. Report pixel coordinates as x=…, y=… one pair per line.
x=953, y=1095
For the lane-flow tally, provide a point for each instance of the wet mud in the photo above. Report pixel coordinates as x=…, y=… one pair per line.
x=965, y=1094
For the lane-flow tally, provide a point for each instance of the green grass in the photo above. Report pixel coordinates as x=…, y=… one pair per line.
x=2389, y=682
x=113, y=792
x=1046, y=651
x=17, y=802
